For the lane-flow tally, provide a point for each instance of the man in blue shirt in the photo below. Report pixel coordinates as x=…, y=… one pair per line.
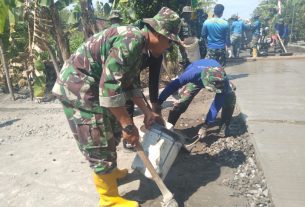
x=238, y=28
x=204, y=73
x=216, y=31
x=255, y=28
x=282, y=30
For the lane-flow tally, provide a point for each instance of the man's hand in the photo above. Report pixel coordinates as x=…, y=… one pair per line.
x=156, y=108
x=132, y=137
x=202, y=131
x=151, y=118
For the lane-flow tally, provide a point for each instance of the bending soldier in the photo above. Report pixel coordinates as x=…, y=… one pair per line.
x=204, y=73
x=93, y=87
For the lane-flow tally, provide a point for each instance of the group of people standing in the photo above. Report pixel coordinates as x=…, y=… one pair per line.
x=99, y=85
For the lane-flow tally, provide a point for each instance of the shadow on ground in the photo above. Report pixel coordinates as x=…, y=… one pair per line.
x=7, y=123
x=190, y=171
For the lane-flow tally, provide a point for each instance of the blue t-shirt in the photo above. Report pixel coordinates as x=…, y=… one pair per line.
x=282, y=30
x=216, y=30
x=192, y=74
x=238, y=27
x=256, y=26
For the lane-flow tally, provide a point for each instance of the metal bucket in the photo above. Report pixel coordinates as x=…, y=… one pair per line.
x=161, y=147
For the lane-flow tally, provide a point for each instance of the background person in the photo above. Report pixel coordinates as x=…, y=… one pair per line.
x=255, y=28
x=216, y=31
x=238, y=28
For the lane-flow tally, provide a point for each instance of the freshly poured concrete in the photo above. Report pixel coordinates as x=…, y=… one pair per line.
x=271, y=95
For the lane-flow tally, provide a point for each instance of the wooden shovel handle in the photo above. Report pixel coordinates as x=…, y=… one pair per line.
x=167, y=195
x=283, y=46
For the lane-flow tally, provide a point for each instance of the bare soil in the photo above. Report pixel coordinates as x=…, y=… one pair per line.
x=41, y=165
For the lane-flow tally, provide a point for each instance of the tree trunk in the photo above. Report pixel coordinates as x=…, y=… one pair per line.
x=4, y=63
x=88, y=26
x=28, y=79
x=62, y=41
x=53, y=57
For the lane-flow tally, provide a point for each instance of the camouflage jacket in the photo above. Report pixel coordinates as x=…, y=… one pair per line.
x=188, y=29
x=104, y=70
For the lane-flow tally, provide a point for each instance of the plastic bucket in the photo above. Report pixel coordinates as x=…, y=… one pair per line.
x=191, y=46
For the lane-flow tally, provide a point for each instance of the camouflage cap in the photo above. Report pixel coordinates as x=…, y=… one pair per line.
x=167, y=23
x=115, y=14
x=186, y=9
x=210, y=76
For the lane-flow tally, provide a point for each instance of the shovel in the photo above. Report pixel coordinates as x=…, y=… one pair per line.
x=168, y=197
x=283, y=46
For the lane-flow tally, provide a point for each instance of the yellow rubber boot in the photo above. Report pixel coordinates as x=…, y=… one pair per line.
x=254, y=52
x=119, y=174
x=107, y=187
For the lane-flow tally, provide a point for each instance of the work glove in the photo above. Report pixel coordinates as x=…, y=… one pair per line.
x=203, y=131
x=229, y=53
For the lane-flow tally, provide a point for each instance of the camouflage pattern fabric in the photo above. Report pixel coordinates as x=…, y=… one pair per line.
x=94, y=134
x=186, y=96
x=236, y=43
x=185, y=31
x=211, y=76
x=254, y=41
x=219, y=55
x=166, y=23
x=102, y=73
x=188, y=29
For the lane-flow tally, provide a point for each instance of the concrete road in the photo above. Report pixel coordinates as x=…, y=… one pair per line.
x=271, y=95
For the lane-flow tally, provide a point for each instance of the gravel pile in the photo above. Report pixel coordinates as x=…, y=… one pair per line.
x=238, y=153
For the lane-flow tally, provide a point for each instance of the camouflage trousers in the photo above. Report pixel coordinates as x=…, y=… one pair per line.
x=219, y=55
x=254, y=41
x=95, y=136
x=236, y=43
x=224, y=101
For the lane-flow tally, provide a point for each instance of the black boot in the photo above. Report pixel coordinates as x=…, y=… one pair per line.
x=173, y=116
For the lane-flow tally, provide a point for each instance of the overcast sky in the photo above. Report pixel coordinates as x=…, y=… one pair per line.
x=243, y=8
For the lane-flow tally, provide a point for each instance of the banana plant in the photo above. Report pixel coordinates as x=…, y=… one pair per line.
x=7, y=9
x=82, y=15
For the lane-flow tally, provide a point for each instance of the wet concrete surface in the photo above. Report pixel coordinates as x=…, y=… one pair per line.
x=271, y=97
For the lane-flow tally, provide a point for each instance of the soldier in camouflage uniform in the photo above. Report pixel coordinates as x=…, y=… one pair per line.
x=191, y=28
x=94, y=85
x=186, y=31
x=204, y=73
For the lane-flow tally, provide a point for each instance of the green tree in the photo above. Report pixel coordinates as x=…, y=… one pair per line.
x=8, y=9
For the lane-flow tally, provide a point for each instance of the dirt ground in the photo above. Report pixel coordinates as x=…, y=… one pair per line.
x=41, y=165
